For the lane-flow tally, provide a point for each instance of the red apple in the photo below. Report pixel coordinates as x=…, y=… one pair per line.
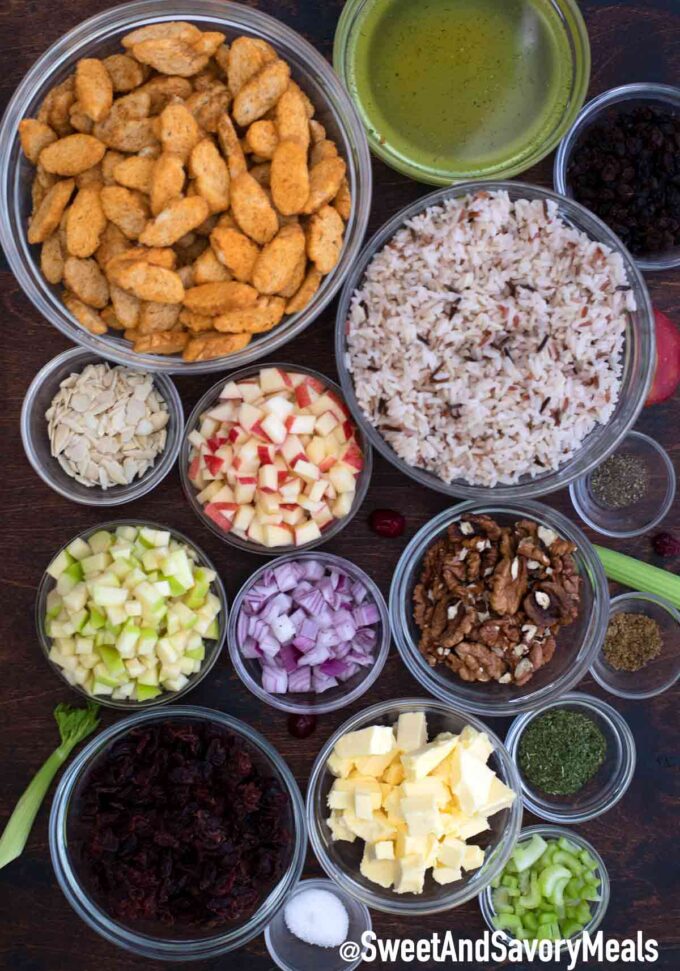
x=195, y=468
x=667, y=373
x=302, y=395
x=213, y=463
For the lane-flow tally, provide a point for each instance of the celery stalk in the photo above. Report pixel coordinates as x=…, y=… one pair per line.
x=640, y=576
x=75, y=724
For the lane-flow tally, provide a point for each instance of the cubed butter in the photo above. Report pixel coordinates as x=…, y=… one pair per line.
x=470, y=780
x=445, y=874
x=384, y=850
x=370, y=830
x=392, y=806
x=410, y=876
x=451, y=852
x=473, y=858
x=421, y=761
x=339, y=829
x=340, y=768
x=411, y=731
x=375, y=765
x=429, y=786
x=421, y=816
x=366, y=800
x=394, y=774
x=477, y=743
x=382, y=872
x=473, y=826
x=375, y=740
x=500, y=797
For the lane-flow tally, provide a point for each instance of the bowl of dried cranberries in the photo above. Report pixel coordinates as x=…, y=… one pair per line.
x=178, y=834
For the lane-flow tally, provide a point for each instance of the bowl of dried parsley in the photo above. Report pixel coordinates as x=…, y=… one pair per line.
x=575, y=756
x=640, y=656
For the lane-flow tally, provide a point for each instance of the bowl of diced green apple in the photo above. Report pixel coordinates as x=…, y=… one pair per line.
x=132, y=614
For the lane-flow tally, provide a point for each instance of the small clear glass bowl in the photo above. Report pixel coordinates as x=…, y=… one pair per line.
x=642, y=93
x=289, y=953
x=345, y=692
x=100, y=35
x=186, y=947
x=599, y=907
x=341, y=860
x=36, y=442
x=577, y=644
x=609, y=783
x=659, y=674
x=212, y=648
x=639, y=354
x=210, y=398
x=640, y=516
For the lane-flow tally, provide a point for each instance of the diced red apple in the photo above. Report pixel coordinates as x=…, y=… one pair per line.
x=353, y=456
x=256, y=532
x=210, y=491
x=244, y=490
x=316, y=450
x=217, y=515
x=342, y=505
x=303, y=394
x=293, y=451
x=281, y=535
x=292, y=514
x=237, y=435
x=208, y=427
x=279, y=405
x=195, y=469
x=196, y=439
x=225, y=494
x=226, y=411
x=273, y=379
x=231, y=390
x=325, y=423
x=213, y=464
x=265, y=453
x=324, y=517
x=268, y=502
x=274, y=428
x=249, y=415
x=342, y=478
x=307, y=470
x=268, y=478
x=291, y=490
x=307, y=532
x=300, y=424
x=250, y=390
x=244, y=517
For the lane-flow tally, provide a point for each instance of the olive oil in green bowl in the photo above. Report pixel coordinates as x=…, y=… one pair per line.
x=461, y=89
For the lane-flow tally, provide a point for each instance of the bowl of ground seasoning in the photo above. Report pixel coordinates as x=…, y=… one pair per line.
x=576, y=758
x=630, y=492
x=178, y=835
x=640, y=656
x=621, y=160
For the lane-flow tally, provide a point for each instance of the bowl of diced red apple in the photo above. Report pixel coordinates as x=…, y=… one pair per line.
x=272, y=460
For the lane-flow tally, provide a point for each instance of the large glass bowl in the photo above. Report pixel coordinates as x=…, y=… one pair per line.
x=605, y=104
x=341, y=859
x=577, y=644
x=212, y=647
x=36, y=442
x=100, y=35
x=211, y=398
x=184, y=947
x=638, y=364
x=307, y=702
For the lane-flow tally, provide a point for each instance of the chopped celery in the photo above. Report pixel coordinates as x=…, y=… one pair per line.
x=530, y=921
x=526, y=854
x=567, y=859
x=507, y=922
x=550, y=877
x=570, y=928
x=533, y=898
x=510, y=882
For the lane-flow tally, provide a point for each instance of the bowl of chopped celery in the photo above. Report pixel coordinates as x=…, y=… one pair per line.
x=131, y=613
x=575, y=756
x=554, y=887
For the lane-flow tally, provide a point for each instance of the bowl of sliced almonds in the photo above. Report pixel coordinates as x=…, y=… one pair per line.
x=182, y=187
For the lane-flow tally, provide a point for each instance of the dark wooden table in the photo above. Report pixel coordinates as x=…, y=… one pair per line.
x=632, y=40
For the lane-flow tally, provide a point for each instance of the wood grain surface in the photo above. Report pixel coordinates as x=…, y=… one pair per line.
x=631, y=40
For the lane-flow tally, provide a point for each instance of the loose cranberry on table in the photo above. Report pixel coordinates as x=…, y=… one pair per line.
x=387, y=522
x=666, y=545
x=301, y=726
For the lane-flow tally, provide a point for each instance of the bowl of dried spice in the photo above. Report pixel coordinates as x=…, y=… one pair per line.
x=630, y=492
x=575, y=756
x=640, y=656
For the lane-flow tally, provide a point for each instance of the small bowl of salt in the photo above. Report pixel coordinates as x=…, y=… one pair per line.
x=320, y=928
x=100, y=434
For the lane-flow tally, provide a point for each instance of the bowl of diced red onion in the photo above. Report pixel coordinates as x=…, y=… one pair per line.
x=272, y=461
x=309, y=633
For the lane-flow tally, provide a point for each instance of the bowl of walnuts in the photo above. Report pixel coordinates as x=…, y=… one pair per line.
x=182, y=187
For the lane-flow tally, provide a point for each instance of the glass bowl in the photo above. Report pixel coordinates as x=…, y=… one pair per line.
x=638, y=364
x=101, y=35
x=609, y=783
x=207, y=401
x=212, y=647
x=37, y=446
x=599, y=908
x=566, y=18
x=291, y=954
x=63, y=848
x=608, y=101
x=658, y=675
x=341, y=860
x=577, y=644
x=345, y=692
x=638, y=517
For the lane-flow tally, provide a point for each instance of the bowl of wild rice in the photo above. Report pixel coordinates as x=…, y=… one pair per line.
x=495, y=338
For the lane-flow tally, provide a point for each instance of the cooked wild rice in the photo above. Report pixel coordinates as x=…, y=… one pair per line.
x=486, y=338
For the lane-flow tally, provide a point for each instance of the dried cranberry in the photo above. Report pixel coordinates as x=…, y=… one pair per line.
x=387, y=522
x=301, y=726
x=666, y=545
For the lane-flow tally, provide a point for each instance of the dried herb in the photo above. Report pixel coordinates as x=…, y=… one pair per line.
x=632, y=641
x=559, y=752
x=621, y=481
x=181, y=824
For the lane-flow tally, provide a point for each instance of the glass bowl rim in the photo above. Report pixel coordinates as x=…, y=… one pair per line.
x=377, y=899
x=551, y=830
x=110, y=929
x=320, y=883
x=617, y=95
x=544, y=515
x=279, y=701
x=138, y=487
x=47, y=582
x=209, y=398
x=644, y=337
x=615, y=720
x=579, y=43
x=664, y=508
x=597, y=669
x=98, y=28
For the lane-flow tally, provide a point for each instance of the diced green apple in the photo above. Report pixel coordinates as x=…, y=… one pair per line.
x=100, y=541
x=109, y=596
x=95, y=563
x=145, y=692
x=59, y=564
x=112, y=661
